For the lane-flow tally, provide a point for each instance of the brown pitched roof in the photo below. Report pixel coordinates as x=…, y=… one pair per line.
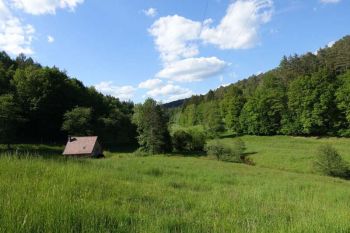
x=80, y=145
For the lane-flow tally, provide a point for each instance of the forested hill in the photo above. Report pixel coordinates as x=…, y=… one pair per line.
x=42, y=104
x=304, y=95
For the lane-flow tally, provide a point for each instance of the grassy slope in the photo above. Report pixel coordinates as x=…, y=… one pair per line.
x=175, y=194
x=290, y=153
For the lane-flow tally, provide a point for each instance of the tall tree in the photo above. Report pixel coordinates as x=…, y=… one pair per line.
x=311, y=105
x=41, y=96
x=4, y=81
x=232, y=105
x=78, y=121
x=10, y=119
x=189, y=115
x=343, y=102
x=152, y=127
x=213, y=120
x=262, y=114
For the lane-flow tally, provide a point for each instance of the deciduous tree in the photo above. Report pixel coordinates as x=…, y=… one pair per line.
x=152, y=127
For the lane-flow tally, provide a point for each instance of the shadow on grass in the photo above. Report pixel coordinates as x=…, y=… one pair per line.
x=52, y=151
x=35, y=151
x=32, y=150
x=249, y=153
x=232, y=135
x=188, y=154
x=121, y=149
x=327, y=137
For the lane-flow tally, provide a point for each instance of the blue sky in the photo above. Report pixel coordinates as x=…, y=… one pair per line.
x=167, y=49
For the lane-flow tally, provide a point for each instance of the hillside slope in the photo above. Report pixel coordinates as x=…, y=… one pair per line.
x=336, y=58
x=305, y=95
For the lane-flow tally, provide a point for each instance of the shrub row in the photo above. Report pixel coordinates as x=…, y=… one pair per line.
x=329, y=162
x=227, y=152
x=188, y=140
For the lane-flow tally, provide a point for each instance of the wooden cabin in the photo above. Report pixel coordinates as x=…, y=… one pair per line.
x=83, y=147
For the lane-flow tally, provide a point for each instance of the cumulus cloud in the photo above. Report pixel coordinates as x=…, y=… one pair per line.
x=4, y=11
x=239, y=27
x=39, y=7
x=225, y=85
x=184, y=95
x=50, y=39
x=121, y=92
x=192, y=69
x=151, y=12
x=175, y=37
x=151, y=83
x=330, y=1
x=178, y=39
x=170, y=92
x=15, y=36
x=331, y=43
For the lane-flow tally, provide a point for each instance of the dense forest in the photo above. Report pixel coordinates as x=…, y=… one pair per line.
x=305, y=95
x=43, y=105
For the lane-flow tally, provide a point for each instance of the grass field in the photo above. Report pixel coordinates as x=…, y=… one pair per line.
x=123, y=193
x=290, y=153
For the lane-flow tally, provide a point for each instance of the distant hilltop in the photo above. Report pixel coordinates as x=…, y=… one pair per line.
x=334, y=57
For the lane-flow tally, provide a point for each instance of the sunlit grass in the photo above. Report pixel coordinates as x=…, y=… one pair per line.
x=290, y=153
x=124, y=193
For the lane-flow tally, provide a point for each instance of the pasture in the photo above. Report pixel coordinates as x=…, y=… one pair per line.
x=176, y=193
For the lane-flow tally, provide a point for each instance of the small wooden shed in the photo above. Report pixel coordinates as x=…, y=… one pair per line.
x=83, y=147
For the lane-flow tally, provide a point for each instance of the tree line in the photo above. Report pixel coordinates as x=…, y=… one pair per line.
x=43, y=105
x=305, y=95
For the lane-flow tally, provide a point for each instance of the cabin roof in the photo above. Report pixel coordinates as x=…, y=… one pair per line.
x=80, y=145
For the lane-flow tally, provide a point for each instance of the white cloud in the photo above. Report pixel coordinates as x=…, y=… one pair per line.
x=192, y=69
x=150, y=83
x=175, y=37
x=170, y=92
x=39, y=7
x=50, y=39
x=121, y=92
x=331, y=43
x=239, y=28
x=4, y=11
x=178, y=39
x=151, y=12
x=225, y=85
x=179, y=96
x=329, y=1
x=15, y=37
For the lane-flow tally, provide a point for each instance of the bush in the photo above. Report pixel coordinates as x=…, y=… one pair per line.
x=181, y=140
x=239, y=146
x=198, y=139
x=330, y=163
x=225, y=152
x=188, y=140
x=141, y=153
x=344, y=133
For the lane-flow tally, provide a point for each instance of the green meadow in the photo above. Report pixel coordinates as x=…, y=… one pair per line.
x=44, y=192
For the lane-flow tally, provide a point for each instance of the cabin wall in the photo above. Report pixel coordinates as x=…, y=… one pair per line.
x=97, y=150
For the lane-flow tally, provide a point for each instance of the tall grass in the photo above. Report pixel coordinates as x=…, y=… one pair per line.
x=295, y=154
x=165, y=194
